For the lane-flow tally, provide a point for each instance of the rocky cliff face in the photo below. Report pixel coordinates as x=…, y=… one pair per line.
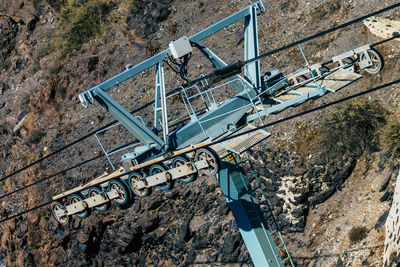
x=392, y=239
x=191, y=224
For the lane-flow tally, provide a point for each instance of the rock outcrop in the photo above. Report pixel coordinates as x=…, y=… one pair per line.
x=391, y=255
x=294, y=185
x=191, y=224
x=8, y=32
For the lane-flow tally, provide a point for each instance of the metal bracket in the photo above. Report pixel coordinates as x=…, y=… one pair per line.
x=172, y=174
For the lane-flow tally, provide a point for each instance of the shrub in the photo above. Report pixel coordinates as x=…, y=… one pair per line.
x=352, y=128
x=392, y=138
x=82, y=20
x=24, y=158
x=357, y=234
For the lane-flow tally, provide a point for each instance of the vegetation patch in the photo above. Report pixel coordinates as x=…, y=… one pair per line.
x=392, y=138
x=24, y=158
x=81, y=20
x=353, y=128
x=306, y=139
x=357, y=234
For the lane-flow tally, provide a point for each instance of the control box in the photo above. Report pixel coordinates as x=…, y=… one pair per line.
x=180, y=47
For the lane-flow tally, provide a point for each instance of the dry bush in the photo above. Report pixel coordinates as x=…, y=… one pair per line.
x=357, y=234
x=352, y=129
x=82, y=20
x=392, y=138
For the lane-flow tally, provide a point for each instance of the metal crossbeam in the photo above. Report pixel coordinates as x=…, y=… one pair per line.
x=156, y=59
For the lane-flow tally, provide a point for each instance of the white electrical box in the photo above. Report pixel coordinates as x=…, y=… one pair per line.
x=180, y=47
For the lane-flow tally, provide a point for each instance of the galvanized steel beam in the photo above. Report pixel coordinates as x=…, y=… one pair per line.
x=133, y=125
x=245, y=209
x=156, y=59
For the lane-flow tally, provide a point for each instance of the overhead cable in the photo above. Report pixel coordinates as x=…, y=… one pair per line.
x=380, y=87
x=209, y=76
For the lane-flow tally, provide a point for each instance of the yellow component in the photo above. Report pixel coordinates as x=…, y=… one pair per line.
x=230, y=157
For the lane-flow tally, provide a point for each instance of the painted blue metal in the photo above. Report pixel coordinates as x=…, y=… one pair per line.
x=211, y=124
x=133, y=125
x=321, y=89
x=225, y=22
x=127, y=74
x=214, y=122
x=156, y=59
x=104, y=151
x=219, y=63
x=161, y=103
x=245, y=209
x=283, y=105
x=143, y=133
x=252, y=70
x=128, y=145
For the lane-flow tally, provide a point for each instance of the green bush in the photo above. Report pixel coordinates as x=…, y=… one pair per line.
x=392, y=138
x=81, y=20
x=353, y=128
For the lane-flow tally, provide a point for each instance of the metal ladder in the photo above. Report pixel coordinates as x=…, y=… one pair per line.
x=263, y=240
x=267, y=215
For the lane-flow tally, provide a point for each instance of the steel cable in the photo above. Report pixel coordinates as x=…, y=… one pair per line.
x=240, y=134
x=323, y=33
x=50, y=176
x=208, y=76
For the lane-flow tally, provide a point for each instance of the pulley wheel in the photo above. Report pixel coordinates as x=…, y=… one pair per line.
x=212, y=159
x=157, y=168
x=75, y=198
x=55, y=207
x=133, y=178
x=179, y=161
x=94, y=191
x=376, y=61
x=122, y=191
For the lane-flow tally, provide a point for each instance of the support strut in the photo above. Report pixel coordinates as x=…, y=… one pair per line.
x=245, y=209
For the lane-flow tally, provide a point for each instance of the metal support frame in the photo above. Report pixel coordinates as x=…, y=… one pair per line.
x=160, y=103
x=232, y=178
x=245, y=207
x=219, y=63
x=246, y=211
x=156, y=59
x=133, y=125
x=109, y=152
x=252, y=70
x=321, y=89
x=249, y=14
